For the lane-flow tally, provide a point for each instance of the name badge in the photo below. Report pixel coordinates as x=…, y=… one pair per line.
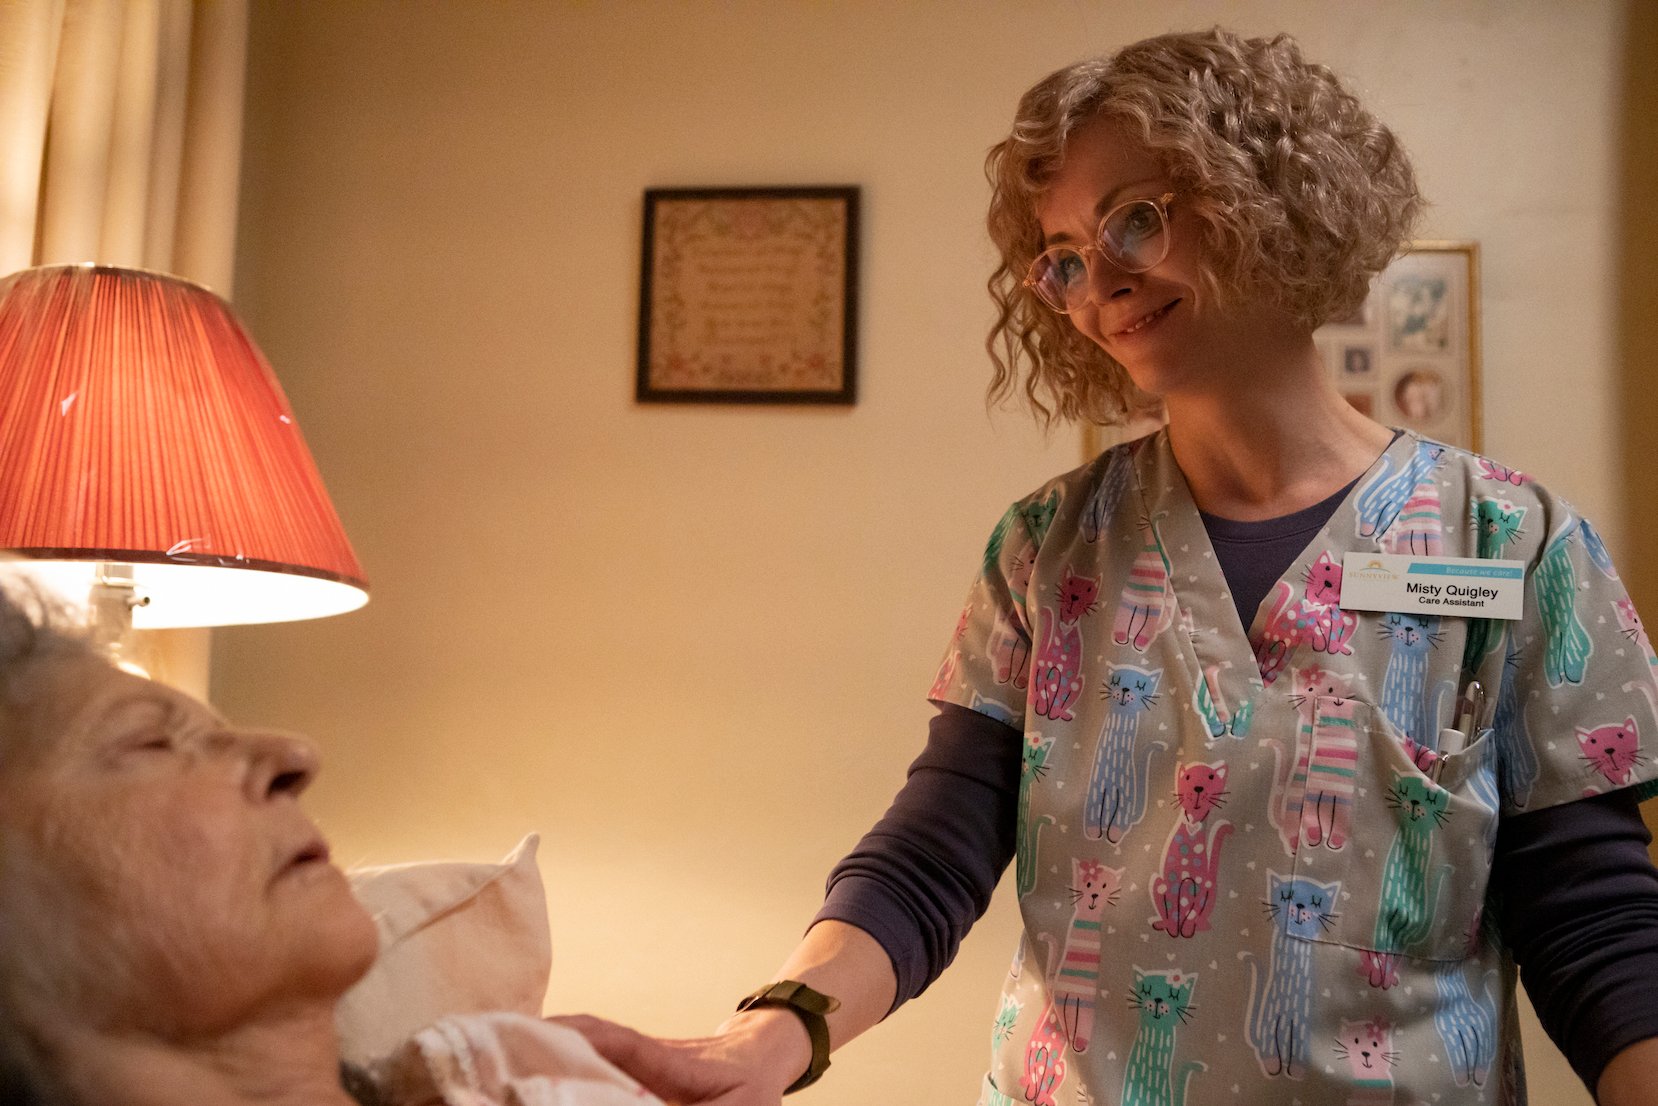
x=1466, y=587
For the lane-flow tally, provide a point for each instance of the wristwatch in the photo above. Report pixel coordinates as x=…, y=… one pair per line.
x=809, y=1006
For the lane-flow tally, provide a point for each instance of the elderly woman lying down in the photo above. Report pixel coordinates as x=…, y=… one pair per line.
x=171, y=928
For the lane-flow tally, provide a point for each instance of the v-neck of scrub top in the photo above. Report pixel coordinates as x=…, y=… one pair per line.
x=1254, y=556
x=1224, y=647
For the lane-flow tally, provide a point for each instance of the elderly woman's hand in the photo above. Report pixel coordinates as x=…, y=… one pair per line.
x=748, y=1062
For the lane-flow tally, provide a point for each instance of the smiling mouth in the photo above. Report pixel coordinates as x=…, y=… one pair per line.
x=1145, y=320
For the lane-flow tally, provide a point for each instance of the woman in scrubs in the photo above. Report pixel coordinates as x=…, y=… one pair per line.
x=1271, y=841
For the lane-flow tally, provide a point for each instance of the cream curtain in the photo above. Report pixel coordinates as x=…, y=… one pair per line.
x=121, y=143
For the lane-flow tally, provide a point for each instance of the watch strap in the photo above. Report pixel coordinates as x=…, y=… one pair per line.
x=809, y=1006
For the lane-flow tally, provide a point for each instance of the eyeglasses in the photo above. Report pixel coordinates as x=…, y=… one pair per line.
x=1133, y=236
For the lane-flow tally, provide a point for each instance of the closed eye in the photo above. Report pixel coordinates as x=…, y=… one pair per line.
x=143, y=722
x=146, y=743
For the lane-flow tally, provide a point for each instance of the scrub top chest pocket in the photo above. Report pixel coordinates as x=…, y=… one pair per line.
x=1396, y=837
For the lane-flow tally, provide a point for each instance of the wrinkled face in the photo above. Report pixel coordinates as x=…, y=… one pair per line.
x=156, y=861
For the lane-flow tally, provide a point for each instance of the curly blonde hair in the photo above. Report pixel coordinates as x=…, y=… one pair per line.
x=1303, y=196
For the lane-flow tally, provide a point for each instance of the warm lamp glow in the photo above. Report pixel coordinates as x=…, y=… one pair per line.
x=200, y=595
x=139, y=425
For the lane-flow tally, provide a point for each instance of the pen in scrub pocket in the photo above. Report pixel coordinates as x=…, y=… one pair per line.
x=1467, y=714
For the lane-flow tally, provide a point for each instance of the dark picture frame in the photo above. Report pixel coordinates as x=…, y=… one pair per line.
x=749, y=295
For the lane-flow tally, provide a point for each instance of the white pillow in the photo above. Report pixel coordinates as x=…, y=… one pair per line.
x=505, y=1058
x=455, y=938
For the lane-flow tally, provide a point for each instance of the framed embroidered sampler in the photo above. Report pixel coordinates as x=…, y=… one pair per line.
x=749, y=295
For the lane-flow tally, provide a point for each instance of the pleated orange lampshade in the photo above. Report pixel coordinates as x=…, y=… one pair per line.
x=139, y=425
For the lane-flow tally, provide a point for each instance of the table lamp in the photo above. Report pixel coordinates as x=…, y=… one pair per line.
x=150, y=465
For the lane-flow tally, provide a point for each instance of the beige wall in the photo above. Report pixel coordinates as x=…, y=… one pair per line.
x=690, y=645
x=1636, y=280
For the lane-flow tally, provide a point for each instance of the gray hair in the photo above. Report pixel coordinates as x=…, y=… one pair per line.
x=34, y=626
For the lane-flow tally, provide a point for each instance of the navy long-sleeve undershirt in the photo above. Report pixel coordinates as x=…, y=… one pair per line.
x=1574, y=893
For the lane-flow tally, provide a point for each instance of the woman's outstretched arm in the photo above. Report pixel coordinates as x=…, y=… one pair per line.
x=918, y=880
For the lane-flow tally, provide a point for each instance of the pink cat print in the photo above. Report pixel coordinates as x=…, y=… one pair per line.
x=1057, y=677
x=1328, y=627
x=1316, y=618
x=1327, y=805
x=1289, y=778
x=1612, y=750
x=1629, y=622
x=1076, y=976
x=1147, y=606
x=1184, y=893
x=1044, y=1061
x=947, y=671
x=1367, y=1047
x=1491, y=470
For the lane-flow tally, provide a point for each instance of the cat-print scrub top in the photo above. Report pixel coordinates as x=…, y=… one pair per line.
x=1248, y=872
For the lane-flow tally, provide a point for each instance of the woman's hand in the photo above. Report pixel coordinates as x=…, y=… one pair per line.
x=757, y=1054
x=749, y=1061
